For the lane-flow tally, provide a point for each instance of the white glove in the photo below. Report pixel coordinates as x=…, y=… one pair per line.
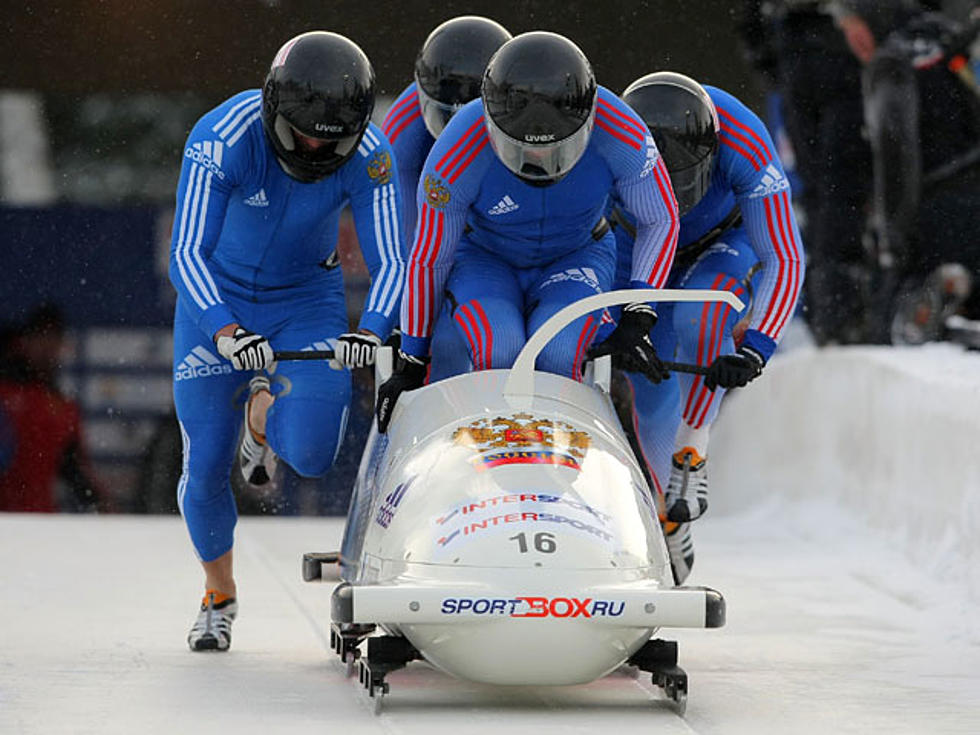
x=246, y=350
x=354, y=350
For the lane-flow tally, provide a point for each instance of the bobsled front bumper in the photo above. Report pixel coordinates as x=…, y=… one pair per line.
x=620, y=606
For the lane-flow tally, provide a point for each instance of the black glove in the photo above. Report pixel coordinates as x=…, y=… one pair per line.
x=394, y=340
x=246, y=350
x=734, y=371
x=630, y=345
x=409, y=374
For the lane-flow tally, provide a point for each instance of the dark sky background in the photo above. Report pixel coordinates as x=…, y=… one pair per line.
x=217, y=47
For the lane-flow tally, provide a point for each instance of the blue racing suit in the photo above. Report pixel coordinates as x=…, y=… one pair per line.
x=254, y=246
x=741, y=237
x=411, y=141
x=510, y=254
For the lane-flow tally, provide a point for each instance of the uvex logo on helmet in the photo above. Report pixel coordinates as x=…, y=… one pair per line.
x=544, y=138
x=324, y=128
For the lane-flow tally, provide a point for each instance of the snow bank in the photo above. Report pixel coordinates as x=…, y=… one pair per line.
x=890, y=435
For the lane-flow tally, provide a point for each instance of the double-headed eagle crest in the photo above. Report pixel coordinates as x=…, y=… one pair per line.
x=522, y=430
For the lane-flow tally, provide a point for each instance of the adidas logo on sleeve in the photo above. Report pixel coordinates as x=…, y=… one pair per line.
x=504, y=206
x=772, y=182
x=207, y=154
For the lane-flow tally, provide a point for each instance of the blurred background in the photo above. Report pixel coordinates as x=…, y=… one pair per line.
x=97, y=97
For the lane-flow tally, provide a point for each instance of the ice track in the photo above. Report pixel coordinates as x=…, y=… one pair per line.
x=836, y=624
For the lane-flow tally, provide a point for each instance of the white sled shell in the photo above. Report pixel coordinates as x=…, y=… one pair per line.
x=511, y=538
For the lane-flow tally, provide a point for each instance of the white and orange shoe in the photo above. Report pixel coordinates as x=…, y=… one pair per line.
x=680, y=546
x=686, y=497
x=255, y=457
x=212, y=629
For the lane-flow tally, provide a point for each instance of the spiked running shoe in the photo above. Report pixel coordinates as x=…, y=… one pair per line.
x=255, y=458
x=687, y=490
x=680, y=546
x=212, y=629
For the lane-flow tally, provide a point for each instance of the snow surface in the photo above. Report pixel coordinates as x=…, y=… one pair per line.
x=843, y=533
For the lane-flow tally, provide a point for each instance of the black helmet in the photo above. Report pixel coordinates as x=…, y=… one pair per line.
x=684, y=124
x=449, y=68
x=539, y=96
x=321, y=85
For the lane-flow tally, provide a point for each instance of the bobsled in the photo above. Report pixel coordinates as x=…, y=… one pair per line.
x=503, y=531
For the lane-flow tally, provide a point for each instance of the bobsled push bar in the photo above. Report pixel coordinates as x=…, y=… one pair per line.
x=622, y=606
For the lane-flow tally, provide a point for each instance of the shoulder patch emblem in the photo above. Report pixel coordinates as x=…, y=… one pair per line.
x=379, y=168
x=436, y=193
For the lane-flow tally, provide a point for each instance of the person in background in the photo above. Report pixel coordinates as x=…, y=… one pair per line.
x=738, y=233
x=799, y=51
x=448, y=74
x=265, y=176
x=41, y=439
x=922, y=114
x=511, y=218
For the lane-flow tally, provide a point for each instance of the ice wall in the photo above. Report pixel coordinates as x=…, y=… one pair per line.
x=891, y=435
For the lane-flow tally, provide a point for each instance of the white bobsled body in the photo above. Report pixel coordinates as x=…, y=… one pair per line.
x=511, y=538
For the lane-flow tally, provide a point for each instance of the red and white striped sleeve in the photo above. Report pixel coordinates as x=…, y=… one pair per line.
x=763, y=193
x=443, y=195
x=643, y=186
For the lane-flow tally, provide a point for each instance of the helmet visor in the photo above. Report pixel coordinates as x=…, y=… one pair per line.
x=691, y=183
x=539, y=161
x=435, y=114
x=323, y=151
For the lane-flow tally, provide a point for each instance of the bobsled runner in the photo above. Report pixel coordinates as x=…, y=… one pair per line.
x=502, y=530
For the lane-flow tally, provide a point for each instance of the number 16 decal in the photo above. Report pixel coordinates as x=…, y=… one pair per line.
x=544, y=542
